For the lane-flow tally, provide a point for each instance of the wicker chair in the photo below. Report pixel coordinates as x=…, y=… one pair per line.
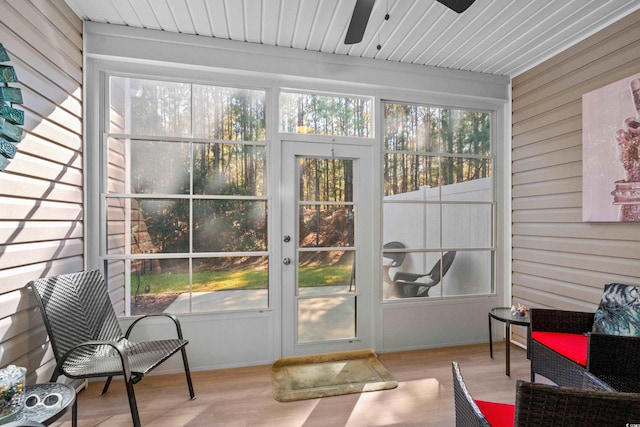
x=87, y=340
x=468, y=414
x=615, y=359
x=547, y=405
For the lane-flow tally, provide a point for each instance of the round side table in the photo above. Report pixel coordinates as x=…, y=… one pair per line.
x=47, y=403
x=503, y=314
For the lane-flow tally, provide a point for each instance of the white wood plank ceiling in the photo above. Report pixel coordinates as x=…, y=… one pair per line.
x=503, y=37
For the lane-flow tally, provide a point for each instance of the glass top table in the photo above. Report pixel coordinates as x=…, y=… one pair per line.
x=46, y=403
x=503, y=314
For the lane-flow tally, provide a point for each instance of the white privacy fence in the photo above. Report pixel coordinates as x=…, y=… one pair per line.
x=455, y=217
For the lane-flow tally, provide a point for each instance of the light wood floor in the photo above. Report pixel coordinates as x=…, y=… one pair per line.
x=242, y=396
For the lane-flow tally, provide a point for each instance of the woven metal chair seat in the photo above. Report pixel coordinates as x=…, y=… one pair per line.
x=87, y=339
x=105, y=361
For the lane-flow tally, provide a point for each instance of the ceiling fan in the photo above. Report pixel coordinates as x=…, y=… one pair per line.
x=362, y=12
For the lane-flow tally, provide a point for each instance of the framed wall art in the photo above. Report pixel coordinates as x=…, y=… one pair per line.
x=611, y=152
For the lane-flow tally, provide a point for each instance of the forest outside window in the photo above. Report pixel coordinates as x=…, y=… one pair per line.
x=438, y=202
x=325, y=114
x=185, y=197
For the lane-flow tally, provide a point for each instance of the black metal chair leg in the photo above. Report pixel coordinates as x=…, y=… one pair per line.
x=106, y=385
x=132, y=404
x=54, y=375
x=188, y=373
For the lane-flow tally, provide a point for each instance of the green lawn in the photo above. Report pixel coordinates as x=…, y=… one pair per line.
x=219, y=280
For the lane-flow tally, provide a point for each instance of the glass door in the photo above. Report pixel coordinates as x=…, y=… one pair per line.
x=326, y=289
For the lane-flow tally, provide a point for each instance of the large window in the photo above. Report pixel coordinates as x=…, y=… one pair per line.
x=438, y=203
x=184, y=197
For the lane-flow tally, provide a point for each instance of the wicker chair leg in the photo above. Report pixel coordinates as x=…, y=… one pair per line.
x=106, y=385
x=132, y=404
x=187, y=372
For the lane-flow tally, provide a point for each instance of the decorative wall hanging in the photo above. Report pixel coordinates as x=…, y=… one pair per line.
x=10, y=118
x=611, y=152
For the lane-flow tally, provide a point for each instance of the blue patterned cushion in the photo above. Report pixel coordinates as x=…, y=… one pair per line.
x=619, y=311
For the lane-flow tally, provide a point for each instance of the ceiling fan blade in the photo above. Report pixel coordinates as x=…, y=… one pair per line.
x=359, y=20
x=457, y=5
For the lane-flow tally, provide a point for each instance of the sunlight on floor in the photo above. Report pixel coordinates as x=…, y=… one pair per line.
x=390, y=407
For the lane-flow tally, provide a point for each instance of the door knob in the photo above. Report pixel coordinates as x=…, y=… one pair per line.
x=286, y=261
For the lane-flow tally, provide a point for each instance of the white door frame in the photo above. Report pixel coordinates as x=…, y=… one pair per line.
x=364, y=244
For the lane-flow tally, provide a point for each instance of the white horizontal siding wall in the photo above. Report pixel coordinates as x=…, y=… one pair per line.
x=41, y=190
x=558, y=260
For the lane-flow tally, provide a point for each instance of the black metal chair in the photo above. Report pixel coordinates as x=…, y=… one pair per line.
x=87, y=340
x=548, y=405
x=406, y=285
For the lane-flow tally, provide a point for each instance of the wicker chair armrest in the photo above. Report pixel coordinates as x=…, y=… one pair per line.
x=613, y=355
x=542, y=404
x=173, y=318
x=467, y=411
x=593, y=383
x=123, y=353
x=92, y=343
x=549, y=320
